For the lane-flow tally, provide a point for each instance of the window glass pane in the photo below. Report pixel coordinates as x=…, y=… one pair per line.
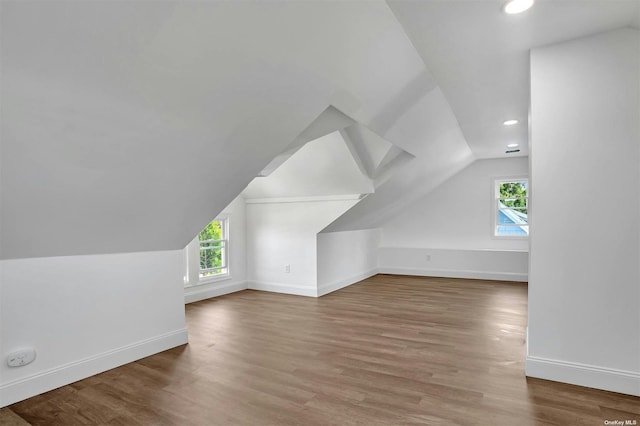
x=211, y=261
x=213, y=231
x=518, y=203
x=513, y=230
x=213, y=256
x=512, y=215
x=512, y=208
x=516, y=189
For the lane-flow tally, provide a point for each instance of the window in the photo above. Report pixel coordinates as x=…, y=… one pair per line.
x=207, y=258
x=213, y=241
x=511, y=205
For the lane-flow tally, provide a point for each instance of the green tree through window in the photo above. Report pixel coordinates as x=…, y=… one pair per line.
x=511, y=208
x=514, y=194
x=213, y=244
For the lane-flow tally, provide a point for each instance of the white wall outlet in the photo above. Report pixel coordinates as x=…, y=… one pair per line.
x=20, y=358
x=428, y=258
x=287, y=269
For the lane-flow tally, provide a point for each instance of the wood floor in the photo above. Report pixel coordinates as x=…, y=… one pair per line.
x=391, y=350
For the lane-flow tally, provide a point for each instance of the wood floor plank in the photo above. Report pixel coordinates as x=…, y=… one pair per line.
x=390, y=350
x=9, y=418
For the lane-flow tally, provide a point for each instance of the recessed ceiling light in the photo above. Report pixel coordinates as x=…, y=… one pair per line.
x=510, y=122
x=517, y=6
x=512, y=145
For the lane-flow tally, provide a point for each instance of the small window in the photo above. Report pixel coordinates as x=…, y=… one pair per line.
x=511, y=206
x=213, y=241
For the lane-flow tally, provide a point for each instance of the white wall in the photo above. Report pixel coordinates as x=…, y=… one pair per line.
x=584, y=291
x=237, y=279
x=453, y=225
x=346, y=257
x=504, y=265
x=459, y=213
x=282, y=232
x=86, y=314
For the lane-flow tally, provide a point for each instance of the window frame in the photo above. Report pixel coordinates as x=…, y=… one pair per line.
x=225, y=250
x=193, y=277
x=495, y=199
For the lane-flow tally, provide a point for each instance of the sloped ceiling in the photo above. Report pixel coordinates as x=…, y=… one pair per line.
x=478, y=76
x=430, y=132
x=480, y=56
x=323, y=167
x=127, y=126
x=329, y=121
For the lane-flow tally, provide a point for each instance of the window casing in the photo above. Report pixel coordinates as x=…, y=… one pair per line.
x=207, y=255
x=511, y=208
x=213, y=243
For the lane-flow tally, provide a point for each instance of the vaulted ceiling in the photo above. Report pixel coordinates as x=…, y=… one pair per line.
x=126, y=126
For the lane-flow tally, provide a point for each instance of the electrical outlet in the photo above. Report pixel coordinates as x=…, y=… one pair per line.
x=20, y=358
x=287, y=269
x=428, y=258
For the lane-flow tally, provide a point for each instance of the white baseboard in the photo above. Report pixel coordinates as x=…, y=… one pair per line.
x=53, y=378
x=331, y=287
x=627, y=382
x=207, y=291
x=444, y=273
x=309, y=291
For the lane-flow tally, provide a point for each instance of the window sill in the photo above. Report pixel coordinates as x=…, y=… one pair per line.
x=210, y=280
x=510, y=237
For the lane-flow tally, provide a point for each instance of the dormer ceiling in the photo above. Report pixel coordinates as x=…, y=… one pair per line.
x=128, y=125
x=320, y=168
x=329, y=121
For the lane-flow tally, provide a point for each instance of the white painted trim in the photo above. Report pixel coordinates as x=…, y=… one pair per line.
x=207, y=291
x=211, y=279
x=610, y=379
x=298, y=290
x=337, y=285
x=452, y=249
x=56, y=377
x=309, y=199
x=494, y=209
x=452, y=273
